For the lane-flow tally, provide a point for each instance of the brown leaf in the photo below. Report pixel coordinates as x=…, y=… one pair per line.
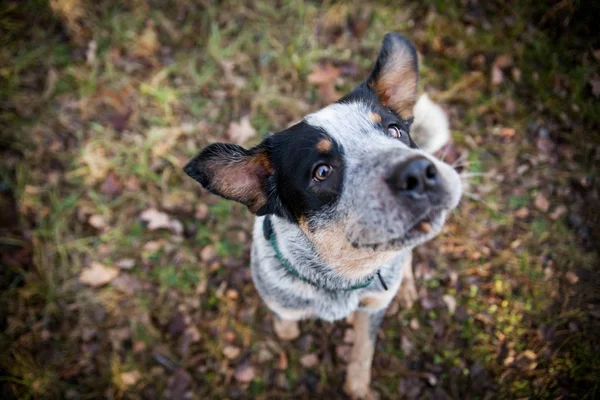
x=309, y=360
x=450, y=302
x=497, y=76
x=241, y=132
x=147, y=43
x=98, y=275
x=127, y=284
x=160, y=220
x=522, y=213
x=572, y=277
x=325, y=76
x=98, y=221
x=130, y=378
x=208, y=253
x=283, y=361
x=112, y=185
x=503, y=61
x=231, y=352
x=245, y=373
x=541, y=203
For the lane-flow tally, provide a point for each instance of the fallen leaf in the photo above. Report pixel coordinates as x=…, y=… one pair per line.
x=245, y=373
x=98, y=275
x=130, y=378
x=309, y=360
x=522, y=213
x=242, y=131
x=572, y=277
x=208, y=253
x=450, y=302
x=407, y=346
x=503, y=61
x=343, y=352
x=559, y=212
x=231, y=352
x=98, y=221
x=201, y=212
x=112, y=185
x=497, y=76
x=283, y=361
x=325, y=76
x=127, y=284
x=160, y=220
x=541, y=203
x=125, y=263
x=414, y=324
x=507, y=132
x=147, y=42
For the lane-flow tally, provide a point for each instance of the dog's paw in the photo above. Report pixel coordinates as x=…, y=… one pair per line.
x=286, y=330
x=407, y=295
x=359, y=391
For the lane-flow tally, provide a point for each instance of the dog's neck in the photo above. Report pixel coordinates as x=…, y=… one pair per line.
x=326, y=257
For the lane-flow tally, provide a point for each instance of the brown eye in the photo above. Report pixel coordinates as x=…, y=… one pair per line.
x=322, y=172
x=394, y=131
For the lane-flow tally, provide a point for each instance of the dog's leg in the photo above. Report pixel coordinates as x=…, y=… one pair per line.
x=285, y=329
x=358, y=377
x=408, y=289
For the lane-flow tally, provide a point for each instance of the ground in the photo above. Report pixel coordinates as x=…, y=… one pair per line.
x=122, y=278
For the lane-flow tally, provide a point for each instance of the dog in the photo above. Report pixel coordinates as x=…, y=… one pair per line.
x=341, y=198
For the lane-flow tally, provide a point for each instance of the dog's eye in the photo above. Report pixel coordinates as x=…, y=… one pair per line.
x=322, y=171
x=394, y=131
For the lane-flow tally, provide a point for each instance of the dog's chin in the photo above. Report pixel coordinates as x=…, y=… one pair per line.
x=421, y=230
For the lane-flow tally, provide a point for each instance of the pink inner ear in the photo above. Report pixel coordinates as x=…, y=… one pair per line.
x=244, y=181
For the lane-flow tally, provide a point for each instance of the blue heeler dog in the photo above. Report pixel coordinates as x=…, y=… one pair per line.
x=341, y=199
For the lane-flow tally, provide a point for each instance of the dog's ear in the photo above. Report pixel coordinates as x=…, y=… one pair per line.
x=395, y=75
x=234, y=173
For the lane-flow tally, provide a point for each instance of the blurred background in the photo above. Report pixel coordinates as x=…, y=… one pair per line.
x=121, y=278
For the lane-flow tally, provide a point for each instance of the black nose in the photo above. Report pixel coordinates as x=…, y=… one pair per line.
x=414, y=177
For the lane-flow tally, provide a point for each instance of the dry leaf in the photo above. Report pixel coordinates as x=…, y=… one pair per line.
x=98, y=275
x=497, y=76
x=126, y=263
x=130, y=378
x=98, y=221
x=541, y=203
x=231, y=352
x=160, y=220
x=309, y=360
x=325, y=76
x=147, y=42
x=572, y=277
x=522, y=213
x=245, y=373
x=450, y=303
x=241, y=132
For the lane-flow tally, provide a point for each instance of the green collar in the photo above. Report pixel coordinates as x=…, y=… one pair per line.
x=270, y=236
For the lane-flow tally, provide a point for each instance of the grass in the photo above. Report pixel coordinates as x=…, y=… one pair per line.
x=104, y=130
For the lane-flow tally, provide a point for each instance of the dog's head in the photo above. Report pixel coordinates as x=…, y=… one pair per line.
x=349, y=173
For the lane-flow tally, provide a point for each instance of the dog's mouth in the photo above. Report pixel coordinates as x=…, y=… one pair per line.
x=422, y=229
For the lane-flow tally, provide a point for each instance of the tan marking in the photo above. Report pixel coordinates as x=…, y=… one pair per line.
x=358, y=376
x=324, y=145
x=374, y=117
x=335, y=250
x=425, y=227
x=396, y=85
x=242, y=179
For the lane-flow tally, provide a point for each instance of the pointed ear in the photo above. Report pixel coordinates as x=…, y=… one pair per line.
x=396, y=74
x=234, y=173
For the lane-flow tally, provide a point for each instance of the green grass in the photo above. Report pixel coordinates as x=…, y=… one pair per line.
x=139, y=115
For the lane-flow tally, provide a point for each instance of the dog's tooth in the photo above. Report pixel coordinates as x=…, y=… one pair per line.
x=425, y=227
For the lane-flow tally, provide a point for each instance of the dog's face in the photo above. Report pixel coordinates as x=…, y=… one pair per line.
x=349, y=173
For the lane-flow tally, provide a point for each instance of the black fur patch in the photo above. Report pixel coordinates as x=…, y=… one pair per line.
x=294, y=156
